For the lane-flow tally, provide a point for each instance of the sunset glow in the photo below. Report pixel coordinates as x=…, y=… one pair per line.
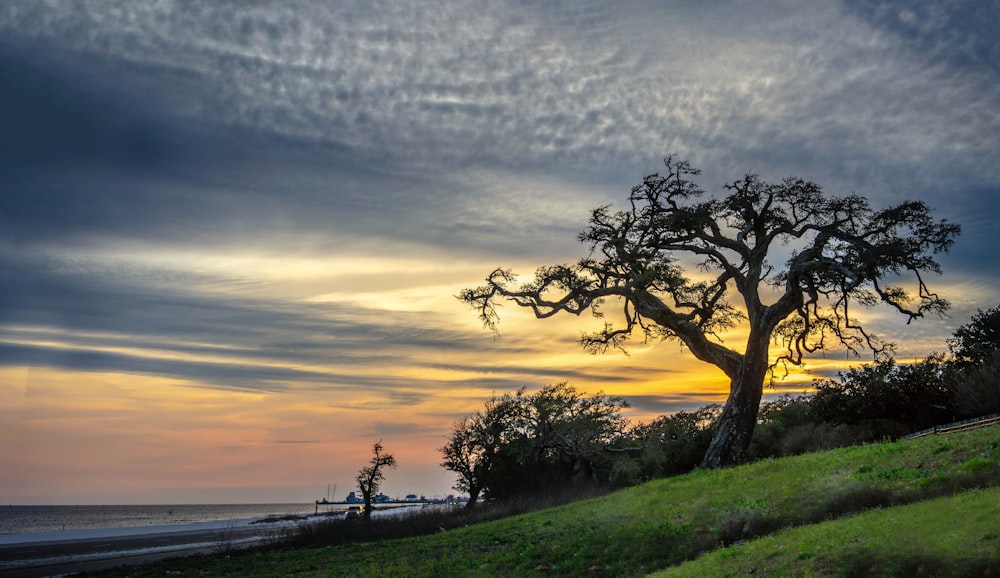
x=231, y=234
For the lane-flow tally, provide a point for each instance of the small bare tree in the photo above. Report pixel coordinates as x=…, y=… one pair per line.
x=370, y=477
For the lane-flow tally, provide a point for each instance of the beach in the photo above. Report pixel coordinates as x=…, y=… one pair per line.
x=55, y=553
x=65, y=552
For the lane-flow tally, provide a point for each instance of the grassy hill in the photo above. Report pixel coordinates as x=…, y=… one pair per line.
x=953, y=536
x=927, y=506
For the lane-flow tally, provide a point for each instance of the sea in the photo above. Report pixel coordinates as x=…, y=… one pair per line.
x=31, y=519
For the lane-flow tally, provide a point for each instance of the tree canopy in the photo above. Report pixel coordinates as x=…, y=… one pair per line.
x=531, y=442
x=893, y=399
x=672, y=261
x=979, y=340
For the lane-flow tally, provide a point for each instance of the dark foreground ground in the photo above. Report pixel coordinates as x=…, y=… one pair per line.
x=58, y=558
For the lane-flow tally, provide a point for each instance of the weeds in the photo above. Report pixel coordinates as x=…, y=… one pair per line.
x=430, y=520
x=225, y=540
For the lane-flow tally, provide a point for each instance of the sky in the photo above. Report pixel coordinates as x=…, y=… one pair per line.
x=231, y=232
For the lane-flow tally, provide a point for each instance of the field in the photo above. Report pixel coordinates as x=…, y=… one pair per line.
x=929, y=506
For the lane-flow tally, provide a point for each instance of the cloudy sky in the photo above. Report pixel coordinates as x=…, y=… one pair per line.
x=231, y=232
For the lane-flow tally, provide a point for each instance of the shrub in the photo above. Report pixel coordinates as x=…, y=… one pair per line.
x=887, y=398
x=977, y=388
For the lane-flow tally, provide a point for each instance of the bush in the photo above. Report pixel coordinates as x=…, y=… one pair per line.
x=977, y=388
x=886, y=398
x=673, y=444
x=978, y=341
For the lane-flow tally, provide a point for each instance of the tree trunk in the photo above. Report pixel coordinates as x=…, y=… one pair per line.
x=366, y=515
x=473, y=497
x=731, y=443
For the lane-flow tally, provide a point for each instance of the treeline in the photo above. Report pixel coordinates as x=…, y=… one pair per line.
x=525, y=443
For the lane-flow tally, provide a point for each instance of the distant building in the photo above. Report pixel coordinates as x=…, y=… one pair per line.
x=381, y=498
x=352, y=498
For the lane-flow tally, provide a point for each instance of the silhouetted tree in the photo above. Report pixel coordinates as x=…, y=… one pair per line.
x=979, y=340
x=570, y=432
x=525, y=443
x=370, y=477
x=465, y=456
x=477, y=445
x=838, y=253
x=976, y=387
x=975, y=348
x=890, y=399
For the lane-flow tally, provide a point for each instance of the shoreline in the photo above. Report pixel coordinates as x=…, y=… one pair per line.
x=132, y=531
x=21, y=519
x=37, y=554
x=70, y=551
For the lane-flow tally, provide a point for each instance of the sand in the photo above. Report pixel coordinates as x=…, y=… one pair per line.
x=55, y=553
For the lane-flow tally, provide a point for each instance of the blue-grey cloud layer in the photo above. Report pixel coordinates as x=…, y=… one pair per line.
x=462, y=130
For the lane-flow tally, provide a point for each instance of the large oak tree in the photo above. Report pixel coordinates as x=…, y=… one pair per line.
x=673, y=259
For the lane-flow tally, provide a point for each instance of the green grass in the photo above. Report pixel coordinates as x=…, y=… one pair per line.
x=953, y=536
x=665, y=523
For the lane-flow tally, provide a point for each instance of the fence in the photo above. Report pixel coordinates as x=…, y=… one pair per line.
x=957, y=426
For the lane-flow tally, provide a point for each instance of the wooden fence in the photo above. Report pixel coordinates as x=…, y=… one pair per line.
x=957, y=426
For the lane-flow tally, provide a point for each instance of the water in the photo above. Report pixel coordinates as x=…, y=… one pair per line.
x=25, y=519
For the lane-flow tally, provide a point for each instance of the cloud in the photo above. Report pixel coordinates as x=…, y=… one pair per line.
x=119, y=174
x=283, y=196
x=957, y=34
x=397, y=429
x=222, y=375
x=97, y=317
x=667, y=404
x=440, y=95
x=313, y=128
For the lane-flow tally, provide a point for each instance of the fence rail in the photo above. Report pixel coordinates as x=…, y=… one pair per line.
x=956, y=427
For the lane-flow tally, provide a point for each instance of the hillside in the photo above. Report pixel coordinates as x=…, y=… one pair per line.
x=953, y=536
x=667, y=522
